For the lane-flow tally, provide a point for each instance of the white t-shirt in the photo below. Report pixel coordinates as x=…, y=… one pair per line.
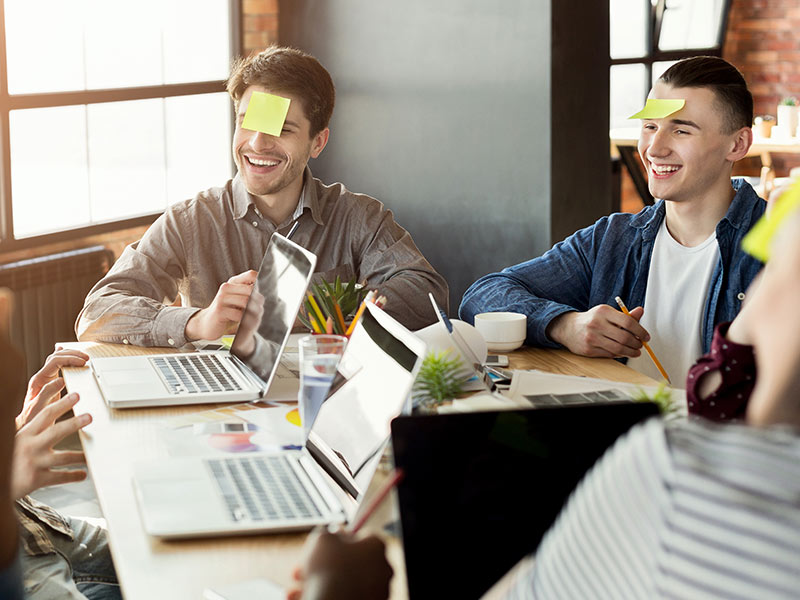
x=674, y=306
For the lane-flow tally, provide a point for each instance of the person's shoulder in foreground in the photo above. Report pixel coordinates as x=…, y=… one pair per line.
x=677, y=509
x=205, y=250
x=692, y=508
x=568, y=293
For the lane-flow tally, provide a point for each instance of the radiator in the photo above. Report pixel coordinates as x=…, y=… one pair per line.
x=48, y=295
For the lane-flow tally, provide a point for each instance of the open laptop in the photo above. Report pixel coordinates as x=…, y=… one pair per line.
x=247, y=371
x=481, y=489
x=294, y=489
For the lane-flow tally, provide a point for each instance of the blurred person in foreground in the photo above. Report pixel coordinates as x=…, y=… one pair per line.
x=49, y=555
x=681, y=508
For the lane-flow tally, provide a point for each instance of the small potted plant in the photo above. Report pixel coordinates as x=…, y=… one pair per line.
x=441, y=378
x=787, y=115
x=763, y=125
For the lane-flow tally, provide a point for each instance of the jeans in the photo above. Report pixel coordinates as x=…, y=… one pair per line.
x=80, y=568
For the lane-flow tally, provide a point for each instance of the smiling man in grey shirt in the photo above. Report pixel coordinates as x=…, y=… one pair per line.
x=205, y=250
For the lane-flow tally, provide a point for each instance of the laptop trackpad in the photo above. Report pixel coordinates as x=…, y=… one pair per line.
x=173, y=504
x=127, y=377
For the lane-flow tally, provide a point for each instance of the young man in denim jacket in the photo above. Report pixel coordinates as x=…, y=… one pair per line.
x=678, y=262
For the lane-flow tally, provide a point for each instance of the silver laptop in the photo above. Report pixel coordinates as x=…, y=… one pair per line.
x=294, y=489
x=247, y=371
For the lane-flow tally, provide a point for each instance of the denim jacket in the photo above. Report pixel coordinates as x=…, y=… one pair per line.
x=612, y=258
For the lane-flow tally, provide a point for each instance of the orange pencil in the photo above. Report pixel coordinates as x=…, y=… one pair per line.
x=645, y=344
x=360, y=312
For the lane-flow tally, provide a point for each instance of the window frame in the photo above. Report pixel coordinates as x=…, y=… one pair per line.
x=653, y=54
x=81, y=97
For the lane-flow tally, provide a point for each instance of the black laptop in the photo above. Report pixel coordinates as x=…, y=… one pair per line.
x=481, y=489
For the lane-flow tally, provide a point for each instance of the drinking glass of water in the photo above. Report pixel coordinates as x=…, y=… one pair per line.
x=319, y=357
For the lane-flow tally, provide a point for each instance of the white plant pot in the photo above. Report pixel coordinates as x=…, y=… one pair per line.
x=787, y=117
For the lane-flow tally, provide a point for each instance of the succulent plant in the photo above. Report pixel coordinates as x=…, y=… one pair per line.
x=662, y=397
x=788, y=101
x=441, y=378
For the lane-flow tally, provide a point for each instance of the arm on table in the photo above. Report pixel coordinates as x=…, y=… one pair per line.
x=390, y=261
x=553, y=290
x=129, y=302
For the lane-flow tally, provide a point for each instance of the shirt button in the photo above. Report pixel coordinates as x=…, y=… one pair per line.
x=171, y=342
x=125, y=342
x=255, y=223
x=740, y=295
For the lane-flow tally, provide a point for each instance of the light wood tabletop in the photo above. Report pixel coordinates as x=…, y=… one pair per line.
x=149, y=568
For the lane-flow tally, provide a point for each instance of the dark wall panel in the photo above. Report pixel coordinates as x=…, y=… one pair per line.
x=443, y=113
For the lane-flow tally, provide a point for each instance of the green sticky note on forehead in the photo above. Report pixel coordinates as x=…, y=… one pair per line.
x=266, y=113
x=656, y=108
x=759, y=239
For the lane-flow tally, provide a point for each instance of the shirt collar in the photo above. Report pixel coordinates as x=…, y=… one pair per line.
x=741, y=208
x=242, y=200
x=738, y=214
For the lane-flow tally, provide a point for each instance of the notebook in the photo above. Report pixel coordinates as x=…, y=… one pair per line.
x=247, y=371
x=294, y=489
x=480, y=489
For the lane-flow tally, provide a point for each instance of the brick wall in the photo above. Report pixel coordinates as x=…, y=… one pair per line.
x=762, y=41
x=259, y=24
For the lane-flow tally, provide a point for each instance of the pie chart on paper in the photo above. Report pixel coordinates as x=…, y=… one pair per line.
x=293, y=416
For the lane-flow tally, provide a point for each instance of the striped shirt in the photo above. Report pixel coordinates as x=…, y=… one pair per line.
x=679, y=510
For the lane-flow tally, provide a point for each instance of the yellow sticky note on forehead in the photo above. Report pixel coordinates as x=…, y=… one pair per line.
x=657, y=108
x=266, y=113
x=759, y=239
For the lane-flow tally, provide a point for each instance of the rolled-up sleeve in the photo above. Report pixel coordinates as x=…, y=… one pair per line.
x=391, y=262
x=128, y=304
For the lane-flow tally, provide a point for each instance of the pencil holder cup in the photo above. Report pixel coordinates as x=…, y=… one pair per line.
x=331, y=307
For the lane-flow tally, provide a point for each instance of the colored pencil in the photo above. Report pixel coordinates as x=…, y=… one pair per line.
x=652, y=354
x=396, y=477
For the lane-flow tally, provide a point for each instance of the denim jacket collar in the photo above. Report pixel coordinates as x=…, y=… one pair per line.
x=648, y=221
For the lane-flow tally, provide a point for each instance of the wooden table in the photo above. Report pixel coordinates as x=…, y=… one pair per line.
x=149, y=568
x=624, y=144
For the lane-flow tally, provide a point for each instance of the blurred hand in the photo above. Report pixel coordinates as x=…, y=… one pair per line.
x=601, y=331
x=338, y=566
x=46, y=384
x=225, y=311
x=35, y=462
x=251, y=319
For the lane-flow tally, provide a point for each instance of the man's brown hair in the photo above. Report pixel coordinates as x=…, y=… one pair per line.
x=290, y=71
x=723, y=79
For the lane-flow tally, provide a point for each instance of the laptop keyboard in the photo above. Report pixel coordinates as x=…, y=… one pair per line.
x=579, y=398
x=262, y=488
x=194, y=373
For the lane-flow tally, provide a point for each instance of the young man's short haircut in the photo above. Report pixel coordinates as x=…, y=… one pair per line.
x=290, y=71
x=724, y=79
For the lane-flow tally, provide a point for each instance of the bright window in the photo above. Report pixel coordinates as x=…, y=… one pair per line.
x=647, y=36
x=113, y=111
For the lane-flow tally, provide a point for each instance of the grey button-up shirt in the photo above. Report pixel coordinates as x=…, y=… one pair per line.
x=199, y=244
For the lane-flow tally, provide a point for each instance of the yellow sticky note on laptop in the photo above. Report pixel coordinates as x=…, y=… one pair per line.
x=759, y=239
x=658, y=108
x=266, y=113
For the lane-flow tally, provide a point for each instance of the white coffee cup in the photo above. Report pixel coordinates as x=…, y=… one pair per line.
x=503, y=331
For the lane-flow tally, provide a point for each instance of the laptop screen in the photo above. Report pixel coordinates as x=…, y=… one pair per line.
x=373, y=382
x=481, y=489
x=272, y=308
